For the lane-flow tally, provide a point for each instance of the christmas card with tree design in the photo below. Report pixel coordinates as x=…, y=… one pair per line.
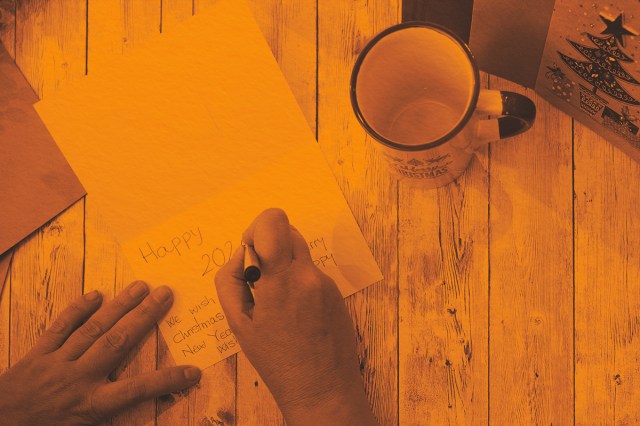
x=589, y=67
x=579, y=55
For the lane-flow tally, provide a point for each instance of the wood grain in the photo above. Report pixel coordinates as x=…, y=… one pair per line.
x=51, y=42
x=607, y=273
x=8, y=25
x=47, y=267
x=531, y=272
x=199, y=5
x=46, y=275
x=7, y=38
x=114, y=27
x=5, y=325
x=344, y=28
x=289, y=28
x=213, y=401
x=438, y=343
x=443, y=300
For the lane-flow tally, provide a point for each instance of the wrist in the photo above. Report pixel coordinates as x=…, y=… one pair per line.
x=345, y=406
x=10, y=413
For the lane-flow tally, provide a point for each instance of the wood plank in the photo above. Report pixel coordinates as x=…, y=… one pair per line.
x=344, y=28
x=531, y=272
x=113, y=28
x=51, y=42
x=171, y=409
x=46, y=275
x=607, y=272
x=199, y=5
x=7, y=38
x=289, y=28
x=5, y=325
x=47, y=267
x=8, y=25
x=444, y=291
x=213, y=401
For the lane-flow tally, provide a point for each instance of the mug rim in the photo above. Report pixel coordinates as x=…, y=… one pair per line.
x=470, y=108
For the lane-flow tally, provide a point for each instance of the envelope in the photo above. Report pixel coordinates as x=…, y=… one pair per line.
x=36, y=182
x=508, y=37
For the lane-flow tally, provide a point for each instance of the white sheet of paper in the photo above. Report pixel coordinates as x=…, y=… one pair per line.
x=180, y=144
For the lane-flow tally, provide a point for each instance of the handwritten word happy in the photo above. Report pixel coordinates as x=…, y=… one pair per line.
x=176, y=245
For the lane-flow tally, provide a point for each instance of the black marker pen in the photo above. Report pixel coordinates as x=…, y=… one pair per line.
x=251, y=264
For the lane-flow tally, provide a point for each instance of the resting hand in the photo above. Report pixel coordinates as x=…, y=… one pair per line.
x=63, y=380
x=295, y=328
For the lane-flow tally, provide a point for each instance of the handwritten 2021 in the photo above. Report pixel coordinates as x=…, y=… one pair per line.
x=217, y=258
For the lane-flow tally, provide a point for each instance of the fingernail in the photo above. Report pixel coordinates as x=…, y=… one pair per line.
x=192, y=374
x=162, y=294
x=92, y=295
x=139, y=289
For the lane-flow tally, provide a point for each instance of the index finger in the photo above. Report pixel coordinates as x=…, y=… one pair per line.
x=276, y=242
x=270, y=236
x=111, y=348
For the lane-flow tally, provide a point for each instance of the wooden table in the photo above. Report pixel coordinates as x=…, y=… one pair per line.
x=511, y=296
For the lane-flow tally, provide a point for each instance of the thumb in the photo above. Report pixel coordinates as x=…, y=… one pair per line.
x=234, y=293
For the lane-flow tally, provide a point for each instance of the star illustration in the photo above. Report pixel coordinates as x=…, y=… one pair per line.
x=616, y=28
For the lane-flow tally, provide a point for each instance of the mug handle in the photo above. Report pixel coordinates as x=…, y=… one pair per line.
x=516, y=114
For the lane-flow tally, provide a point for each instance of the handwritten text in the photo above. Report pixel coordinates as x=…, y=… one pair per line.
x=177, y=245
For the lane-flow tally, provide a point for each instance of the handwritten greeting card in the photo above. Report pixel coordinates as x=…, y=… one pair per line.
x=180, y=144
x=191, y=247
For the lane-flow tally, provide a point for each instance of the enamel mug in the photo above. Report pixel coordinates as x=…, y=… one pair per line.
x=415, y=88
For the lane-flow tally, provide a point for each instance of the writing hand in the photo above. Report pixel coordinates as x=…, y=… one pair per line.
x=63, y=380
x=295, y=328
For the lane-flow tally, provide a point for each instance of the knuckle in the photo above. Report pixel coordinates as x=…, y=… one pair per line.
x=76, y=306
x=92, y=329
x=147, y=309
x=119, y=304
x=275, y=214
x=136, y=390
x=58, y=327
x=116, y=340
x=135, y=283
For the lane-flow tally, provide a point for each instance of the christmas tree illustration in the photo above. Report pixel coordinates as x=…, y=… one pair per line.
x=603, y=69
